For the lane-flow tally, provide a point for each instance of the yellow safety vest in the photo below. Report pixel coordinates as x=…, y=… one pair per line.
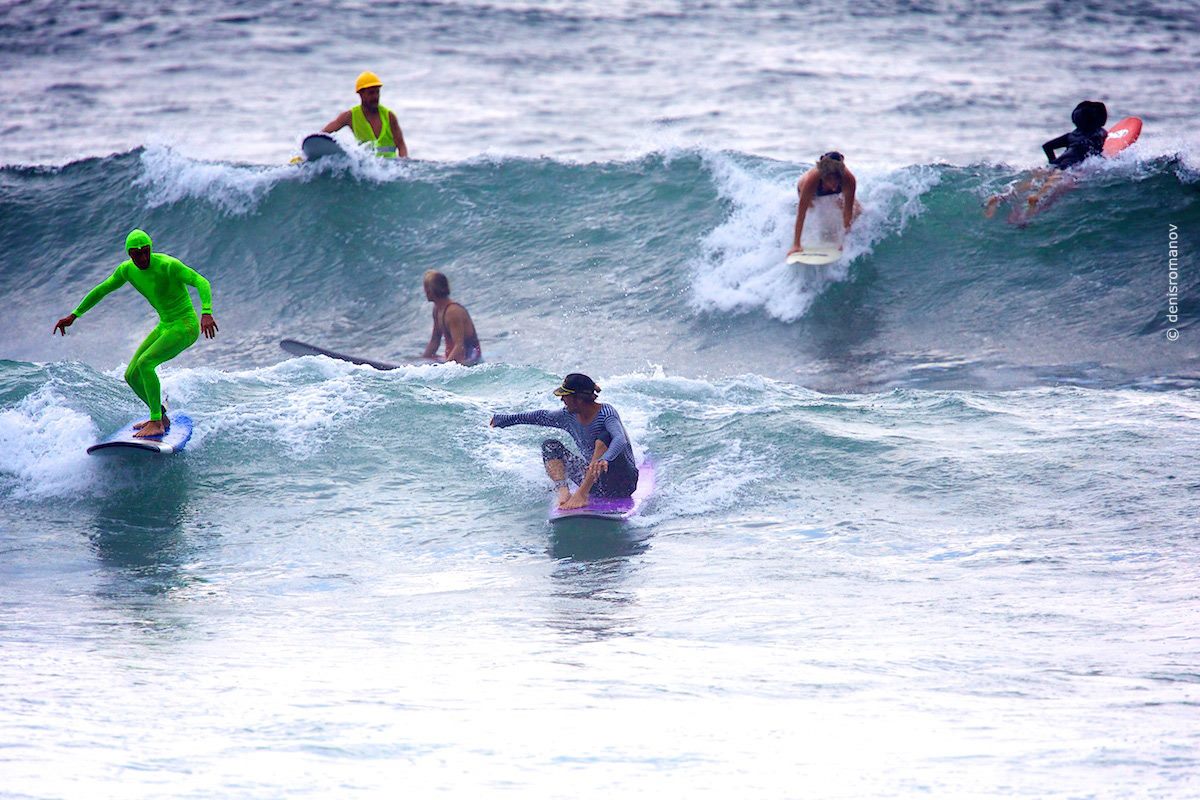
x=385, y=145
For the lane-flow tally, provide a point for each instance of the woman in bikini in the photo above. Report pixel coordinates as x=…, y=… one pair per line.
x=829, y=178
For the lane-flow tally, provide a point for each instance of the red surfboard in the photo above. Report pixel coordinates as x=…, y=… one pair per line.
x=1121, y=135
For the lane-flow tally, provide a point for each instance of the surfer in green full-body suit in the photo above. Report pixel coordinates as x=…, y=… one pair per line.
x=162, y=280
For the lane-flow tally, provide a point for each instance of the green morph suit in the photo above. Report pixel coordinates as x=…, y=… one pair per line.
x=163, y=284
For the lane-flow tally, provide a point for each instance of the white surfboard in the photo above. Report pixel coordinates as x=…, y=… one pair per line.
x=816, y=255
x=123, y=441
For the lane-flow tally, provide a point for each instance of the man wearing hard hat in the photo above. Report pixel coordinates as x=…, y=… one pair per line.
x=372, y=123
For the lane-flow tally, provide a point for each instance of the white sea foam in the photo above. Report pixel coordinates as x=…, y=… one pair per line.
x=298, y=405
x=237, y=189
x=722, y=476
x=172, y=178
x=43, y=446
x=742, y=267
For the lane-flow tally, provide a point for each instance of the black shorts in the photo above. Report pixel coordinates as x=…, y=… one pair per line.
x=616, y=482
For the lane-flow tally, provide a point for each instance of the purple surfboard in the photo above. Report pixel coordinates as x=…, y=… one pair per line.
x=614, y=509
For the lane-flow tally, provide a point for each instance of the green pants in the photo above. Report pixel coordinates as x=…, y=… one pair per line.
x=167, y=340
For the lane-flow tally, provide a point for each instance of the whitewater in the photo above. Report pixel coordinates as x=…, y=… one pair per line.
x=925, y=521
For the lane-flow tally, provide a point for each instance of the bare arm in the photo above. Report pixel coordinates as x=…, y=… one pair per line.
x=849, y=187
x=339, y=122
x=435, y=339
x=806, y=188
x=456, y=321
x=398, y=135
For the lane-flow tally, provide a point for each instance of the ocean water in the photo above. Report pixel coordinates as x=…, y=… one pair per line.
x=926, y=518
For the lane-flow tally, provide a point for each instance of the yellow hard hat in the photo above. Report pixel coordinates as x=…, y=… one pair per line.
x=366, y=81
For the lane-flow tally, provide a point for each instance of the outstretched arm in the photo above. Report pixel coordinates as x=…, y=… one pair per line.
x=106, y=287
x=338, y=122
x=546, y=419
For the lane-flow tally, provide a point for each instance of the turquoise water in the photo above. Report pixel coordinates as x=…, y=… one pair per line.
x=670, y=260
x=925, y=522
x=348, y=581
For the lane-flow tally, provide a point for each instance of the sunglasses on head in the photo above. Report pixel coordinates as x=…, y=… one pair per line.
x=833, y=155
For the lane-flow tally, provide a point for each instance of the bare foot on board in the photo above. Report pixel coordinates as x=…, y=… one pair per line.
x=574, y=501
x=166, y=422
x=154, y=427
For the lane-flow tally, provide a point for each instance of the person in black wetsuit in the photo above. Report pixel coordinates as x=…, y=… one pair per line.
x=829, y=178
x=1085, y=141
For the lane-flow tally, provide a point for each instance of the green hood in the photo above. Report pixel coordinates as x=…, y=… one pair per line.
x=137, y=238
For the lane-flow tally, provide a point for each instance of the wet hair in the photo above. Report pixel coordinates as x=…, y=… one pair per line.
x=439, y=285
x=1090, y=115
x=831, y=163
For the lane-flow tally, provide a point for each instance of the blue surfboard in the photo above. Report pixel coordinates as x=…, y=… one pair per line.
x=123, y=441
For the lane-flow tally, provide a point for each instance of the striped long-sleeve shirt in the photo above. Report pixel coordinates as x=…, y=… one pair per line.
x=606, y=427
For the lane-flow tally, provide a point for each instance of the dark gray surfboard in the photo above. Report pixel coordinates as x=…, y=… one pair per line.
x=320, y=145
x=303, y=349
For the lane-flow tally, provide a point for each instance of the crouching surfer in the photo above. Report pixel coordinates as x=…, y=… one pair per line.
x=163, y=281
x=606, y=466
